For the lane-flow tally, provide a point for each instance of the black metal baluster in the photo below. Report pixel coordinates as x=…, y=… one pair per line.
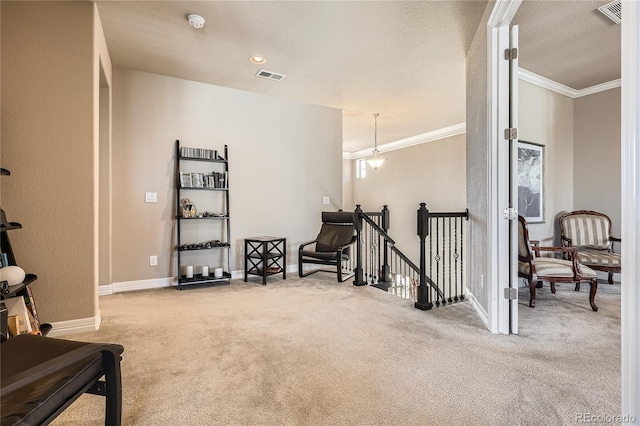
x=461, y=255
x=437, y=259
x=455, y=256
x=449, y=250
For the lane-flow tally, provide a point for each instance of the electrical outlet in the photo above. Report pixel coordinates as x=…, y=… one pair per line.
x=325, y=199
x=153, y=260
x=150, y=197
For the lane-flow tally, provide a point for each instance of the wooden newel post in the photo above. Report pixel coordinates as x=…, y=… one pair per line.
x=423, y=302
x=357, y=222
x=386, y=270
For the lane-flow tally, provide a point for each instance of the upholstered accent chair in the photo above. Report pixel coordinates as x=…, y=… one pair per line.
x=333, y=246
x=535, y=268
x=590, y=232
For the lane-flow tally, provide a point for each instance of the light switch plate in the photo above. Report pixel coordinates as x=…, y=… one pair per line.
x=325, y=199
x=150, y=197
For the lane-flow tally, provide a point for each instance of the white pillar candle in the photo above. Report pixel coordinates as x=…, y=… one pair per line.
x=205, y=270
x=217, y=272
x=189, y=271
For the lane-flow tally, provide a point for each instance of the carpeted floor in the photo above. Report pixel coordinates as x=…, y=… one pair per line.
x=314, y=352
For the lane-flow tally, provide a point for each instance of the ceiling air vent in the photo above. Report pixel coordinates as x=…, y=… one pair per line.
x=270, y=75
x=612, y=11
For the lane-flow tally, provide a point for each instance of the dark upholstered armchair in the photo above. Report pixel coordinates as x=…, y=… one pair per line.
x=534, y=268
x=590, y=233
x=333, y=245
x=42, y=376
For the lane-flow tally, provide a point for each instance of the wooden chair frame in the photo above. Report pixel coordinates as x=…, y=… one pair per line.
x=533, y=277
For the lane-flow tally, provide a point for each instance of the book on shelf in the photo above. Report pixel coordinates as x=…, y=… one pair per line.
x=4, y=260
x=213, y=180
x=199, y=153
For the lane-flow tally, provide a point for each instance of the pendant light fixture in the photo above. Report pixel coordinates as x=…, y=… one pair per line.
x=376, y=159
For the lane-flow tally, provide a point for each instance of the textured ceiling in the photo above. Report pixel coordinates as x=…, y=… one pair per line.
x=402, y=59
x=569, y=42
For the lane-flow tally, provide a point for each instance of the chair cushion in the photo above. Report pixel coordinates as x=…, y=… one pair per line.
x=333, y=236
x=587, y=230
x=549, y=267
x=598, y=258
x=327, y=255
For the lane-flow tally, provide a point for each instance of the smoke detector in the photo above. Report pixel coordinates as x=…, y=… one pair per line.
x=196, y=21
x=612, y=11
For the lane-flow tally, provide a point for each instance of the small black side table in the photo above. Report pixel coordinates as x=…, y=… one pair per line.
x=265, y=256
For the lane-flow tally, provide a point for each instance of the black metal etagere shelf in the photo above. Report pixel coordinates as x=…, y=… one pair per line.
x=216, y=223
x=21, y=289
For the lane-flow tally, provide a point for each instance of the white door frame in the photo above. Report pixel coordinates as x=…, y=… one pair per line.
x=498, y=155
x=630, y=246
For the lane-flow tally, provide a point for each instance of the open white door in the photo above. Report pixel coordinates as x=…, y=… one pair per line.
x=513, y=182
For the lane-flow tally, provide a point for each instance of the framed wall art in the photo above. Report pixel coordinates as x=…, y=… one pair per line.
x=531, y=181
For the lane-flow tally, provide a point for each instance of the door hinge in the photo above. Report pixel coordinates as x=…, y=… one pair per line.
x=510, y=213
x=511, y=293
x=510, y=54
x=511, y=133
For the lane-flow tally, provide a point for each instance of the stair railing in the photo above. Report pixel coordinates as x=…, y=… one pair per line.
x=438, y=279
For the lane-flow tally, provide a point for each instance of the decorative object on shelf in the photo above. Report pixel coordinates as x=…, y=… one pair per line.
x=189, y=271
x=12, y=274
x=376, y=159
x=188, y=209
x=16, y=307
x=217, y=273
x=205, y=271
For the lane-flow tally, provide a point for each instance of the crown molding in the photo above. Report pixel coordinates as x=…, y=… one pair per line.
x=445, y=132
x=460, y=128
x=554, y=86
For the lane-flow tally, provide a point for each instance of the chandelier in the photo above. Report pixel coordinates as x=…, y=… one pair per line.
x=376, y=159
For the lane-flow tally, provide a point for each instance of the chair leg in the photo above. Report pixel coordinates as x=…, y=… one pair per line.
x=577, y=286
x=113, y=384
x=592, y=294
x=532, y=293
x=610, y=277
x=553, y=287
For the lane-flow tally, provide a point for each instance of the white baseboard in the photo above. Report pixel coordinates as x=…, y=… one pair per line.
x=82, y=325
x=105, y=290
x=123, y=286
x=484, y=316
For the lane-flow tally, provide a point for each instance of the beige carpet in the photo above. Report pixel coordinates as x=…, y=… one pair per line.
x=314, y=352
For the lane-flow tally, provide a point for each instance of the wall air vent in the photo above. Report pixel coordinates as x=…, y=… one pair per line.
x=270, y=75
x=612, y=11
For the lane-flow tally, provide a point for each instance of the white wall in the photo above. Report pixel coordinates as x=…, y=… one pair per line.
x=284, y=157
x=547, y=118
x=433, y=173
x=477, y=152
x=597, y=154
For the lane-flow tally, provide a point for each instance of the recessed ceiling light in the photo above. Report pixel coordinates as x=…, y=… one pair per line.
x=257, y=59
x=196, y=21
